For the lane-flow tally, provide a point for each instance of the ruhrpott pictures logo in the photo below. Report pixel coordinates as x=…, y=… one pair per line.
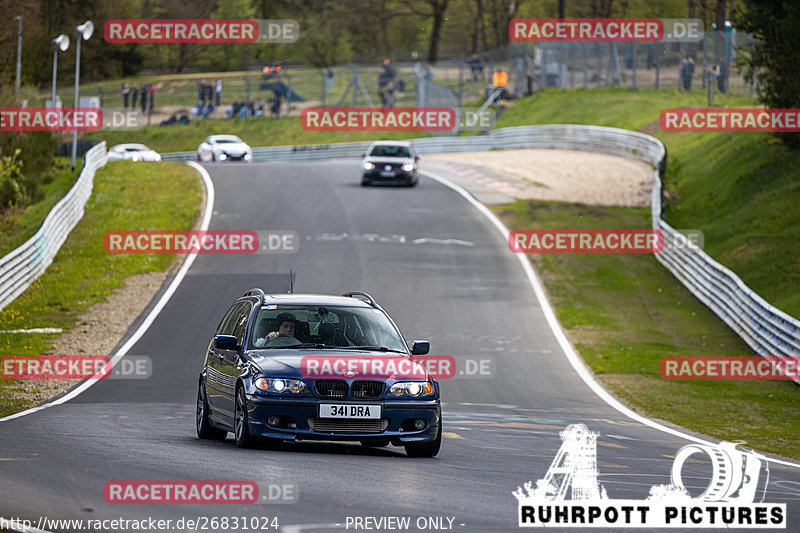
x=733, y=497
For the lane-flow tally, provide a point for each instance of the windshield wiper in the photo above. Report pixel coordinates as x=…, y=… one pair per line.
x=373, y=348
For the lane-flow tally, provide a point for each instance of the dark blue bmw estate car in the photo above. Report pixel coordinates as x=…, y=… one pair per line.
x=316, y=367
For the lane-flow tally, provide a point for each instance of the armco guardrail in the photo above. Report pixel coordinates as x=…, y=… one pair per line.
x=769, y=331
x=23, y=265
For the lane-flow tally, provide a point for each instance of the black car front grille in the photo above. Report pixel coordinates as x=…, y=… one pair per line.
x=331, y=388
x=347, y=425
x=367, y=389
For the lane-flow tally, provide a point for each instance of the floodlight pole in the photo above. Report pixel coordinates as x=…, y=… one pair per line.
x=84, y=31
x=19, y=56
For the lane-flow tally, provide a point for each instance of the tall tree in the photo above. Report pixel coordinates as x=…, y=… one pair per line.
x=775, y=57
x=431, y=9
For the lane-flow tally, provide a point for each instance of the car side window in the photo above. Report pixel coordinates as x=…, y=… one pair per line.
x=240, y=322
x=233, y=320
x=226, y=319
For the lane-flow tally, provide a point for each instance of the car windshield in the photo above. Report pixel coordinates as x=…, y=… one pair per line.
x=332, y=326
x=227, y=141
x=383, y=150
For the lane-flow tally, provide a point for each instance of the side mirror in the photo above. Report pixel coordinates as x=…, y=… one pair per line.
x=226, y=342
x=420, y=347
x=417, y=157
x=363, y=155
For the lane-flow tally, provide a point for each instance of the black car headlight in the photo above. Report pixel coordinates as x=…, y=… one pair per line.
x=411, y=388
x=281, y=385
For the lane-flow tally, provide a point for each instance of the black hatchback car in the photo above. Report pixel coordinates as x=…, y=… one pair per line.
x=390, y=162
x=316, y=367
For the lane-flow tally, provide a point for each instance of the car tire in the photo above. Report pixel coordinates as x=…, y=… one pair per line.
x=365, y=183
x=426, y=449
x=241, y=430
x=199, y=159
x=204, y=428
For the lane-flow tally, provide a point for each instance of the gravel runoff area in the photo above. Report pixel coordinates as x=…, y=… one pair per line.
x=561, y=175
x=97, y=332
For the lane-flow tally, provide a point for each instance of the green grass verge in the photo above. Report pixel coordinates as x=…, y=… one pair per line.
x=126, y=196
x=256, y=131
x=740, y=189
x=625, y=312
x=19, y=225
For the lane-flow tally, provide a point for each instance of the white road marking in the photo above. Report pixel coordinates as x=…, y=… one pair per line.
x=572, y=356
x=153, y=313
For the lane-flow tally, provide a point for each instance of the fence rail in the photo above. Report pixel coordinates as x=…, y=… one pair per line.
x=20, y=267
x=766, y=329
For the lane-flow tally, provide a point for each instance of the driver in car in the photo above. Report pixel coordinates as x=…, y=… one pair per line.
x=286, y=328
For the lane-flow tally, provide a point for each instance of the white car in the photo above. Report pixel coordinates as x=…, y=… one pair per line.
x=224, y=148
x=132, y=152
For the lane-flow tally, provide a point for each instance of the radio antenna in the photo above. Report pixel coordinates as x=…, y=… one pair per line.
x=291, y=281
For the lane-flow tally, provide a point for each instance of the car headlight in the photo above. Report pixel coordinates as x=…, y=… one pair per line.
x=158, y=157
x=281, y=385
x=369, y=166
x=248, y=156
x=222, y=157
x=408, y=166
x=411, y=388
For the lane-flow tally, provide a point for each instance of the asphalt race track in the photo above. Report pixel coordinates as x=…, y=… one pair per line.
x=445, y=274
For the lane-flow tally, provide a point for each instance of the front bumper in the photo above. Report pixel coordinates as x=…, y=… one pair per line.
x=234, y=157
x=400, y=176
x=301, y=412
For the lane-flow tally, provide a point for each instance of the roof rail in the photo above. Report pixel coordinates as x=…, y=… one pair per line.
x=364, y=296
x=255, y=291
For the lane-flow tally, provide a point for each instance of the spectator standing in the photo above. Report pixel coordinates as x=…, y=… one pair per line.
x=126, y=91
x=143, y=90
x=387, y=74
x=201, y=94
x=276, y=106
x=210, y=94
x=135, y=93
x=218, y=92
x=387, y=95
x=329, y=81
x=686, y=72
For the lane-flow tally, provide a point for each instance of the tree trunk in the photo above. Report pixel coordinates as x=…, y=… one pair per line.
x=719, y=36
x=439, y=7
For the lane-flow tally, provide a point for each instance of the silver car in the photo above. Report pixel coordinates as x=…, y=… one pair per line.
x=224, y=148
